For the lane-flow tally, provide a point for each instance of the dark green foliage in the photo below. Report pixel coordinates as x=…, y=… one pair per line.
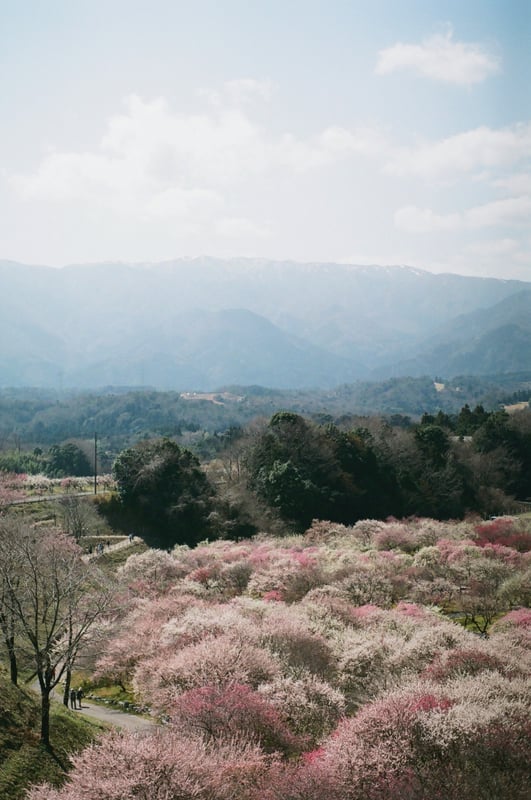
x=61, y=460
x=164, y=492
x=21, y=462
x=67, y=460
x=512, y=435
x=124, y=416
x=306, y=471
x=315, y=459
x=433, y=442
x=468, y=422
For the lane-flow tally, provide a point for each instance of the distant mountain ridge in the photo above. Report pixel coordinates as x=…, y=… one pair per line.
x=202, y=323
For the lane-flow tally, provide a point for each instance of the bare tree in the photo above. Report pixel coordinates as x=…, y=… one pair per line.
x=53, y=598
x=78, y=515
x=8, y=619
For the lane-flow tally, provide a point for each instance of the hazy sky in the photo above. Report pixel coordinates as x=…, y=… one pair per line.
x=377, y=131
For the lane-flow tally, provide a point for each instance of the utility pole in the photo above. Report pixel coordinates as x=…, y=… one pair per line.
x=95, y=463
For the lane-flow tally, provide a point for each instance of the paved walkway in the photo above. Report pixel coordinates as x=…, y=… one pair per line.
x=119, y=719
x=103, y=713
x=117, y=546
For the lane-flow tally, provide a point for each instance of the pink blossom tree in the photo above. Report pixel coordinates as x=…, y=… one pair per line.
x=233, y=711
x=163, y=766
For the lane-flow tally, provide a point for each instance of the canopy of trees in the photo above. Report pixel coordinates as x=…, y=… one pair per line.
x=164, y=492
x=66, y=460
x=122, y=417
x=307, y=471
x=59, y=461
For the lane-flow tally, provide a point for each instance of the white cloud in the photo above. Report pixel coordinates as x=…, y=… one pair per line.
x=153, y=161
x=494, y=248
x=424, y=220
x=182, y=203
x=213, y=176
x=478, y=149
x=240, y=227
x=363, y=141
x=244, y=90
x=441, y=58
x=499, y=256
x=519, y=183
x=511, y=211
x=239, y=92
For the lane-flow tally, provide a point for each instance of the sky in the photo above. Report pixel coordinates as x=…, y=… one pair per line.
x=358, y=131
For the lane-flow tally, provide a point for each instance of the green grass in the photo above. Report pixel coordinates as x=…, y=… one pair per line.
x=101, y=689
x=111, y=561
x=41, y=511
x=23, y=760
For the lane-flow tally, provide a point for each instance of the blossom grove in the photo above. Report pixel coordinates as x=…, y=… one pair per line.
x=325, y=665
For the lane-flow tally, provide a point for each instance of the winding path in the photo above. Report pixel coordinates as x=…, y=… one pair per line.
x=112, y=716
x=119, y=719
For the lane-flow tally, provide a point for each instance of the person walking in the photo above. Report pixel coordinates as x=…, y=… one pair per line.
x=79, y=695
x=73, y=697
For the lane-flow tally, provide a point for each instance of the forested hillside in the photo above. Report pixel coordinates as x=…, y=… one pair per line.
x=35, y=417
x=282, y=469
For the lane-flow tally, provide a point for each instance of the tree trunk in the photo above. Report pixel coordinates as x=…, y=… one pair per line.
x=45, y=717
x=7, y=624
x=13, y=666
x=68, y=680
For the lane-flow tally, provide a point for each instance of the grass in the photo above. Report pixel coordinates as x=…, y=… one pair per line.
x=101, y=690
x=23, y=760
x=110, y=561
x=37, y=512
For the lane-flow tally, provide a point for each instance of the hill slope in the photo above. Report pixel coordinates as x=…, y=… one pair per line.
x=22, y=759
x=493, y=340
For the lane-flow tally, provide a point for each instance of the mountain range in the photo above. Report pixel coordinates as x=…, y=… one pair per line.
x=199, y=324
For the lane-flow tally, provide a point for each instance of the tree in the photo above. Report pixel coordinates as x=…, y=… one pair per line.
x=78, y=515
x=8, y=619
x=53, y=599
x=433, y=442
x=442, y=743
x=163, y=765
x=308, y=472
x=235, y=711
x=67, y=459
x=164, y=491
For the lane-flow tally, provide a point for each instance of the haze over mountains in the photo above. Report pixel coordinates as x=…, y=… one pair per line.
x=203, y=323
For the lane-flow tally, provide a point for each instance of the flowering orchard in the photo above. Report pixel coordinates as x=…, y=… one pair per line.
x=383, y=661
x=18, y=486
